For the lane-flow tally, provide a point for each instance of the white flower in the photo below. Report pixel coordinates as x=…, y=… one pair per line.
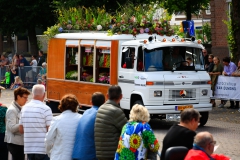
x=75, y=74
x=99, y=27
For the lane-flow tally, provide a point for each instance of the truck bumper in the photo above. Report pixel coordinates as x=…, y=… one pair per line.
x=170, y=109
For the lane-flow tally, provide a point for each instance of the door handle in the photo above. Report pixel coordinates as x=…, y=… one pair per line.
x=121, y=76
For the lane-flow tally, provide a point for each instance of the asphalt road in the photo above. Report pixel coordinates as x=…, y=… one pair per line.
x=223, y=123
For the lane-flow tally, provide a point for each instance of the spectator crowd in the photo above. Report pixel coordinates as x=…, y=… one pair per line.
x=215, y=68
x=27, y=72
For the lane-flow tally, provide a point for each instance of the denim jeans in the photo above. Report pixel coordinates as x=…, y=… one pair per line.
x=38, y=157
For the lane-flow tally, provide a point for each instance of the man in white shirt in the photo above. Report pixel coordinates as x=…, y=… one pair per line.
x=34, y=122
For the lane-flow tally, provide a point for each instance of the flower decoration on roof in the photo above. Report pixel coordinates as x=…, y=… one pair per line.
x=129, y=19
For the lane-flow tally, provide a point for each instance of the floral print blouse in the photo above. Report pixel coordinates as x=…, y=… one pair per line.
x=136, y=138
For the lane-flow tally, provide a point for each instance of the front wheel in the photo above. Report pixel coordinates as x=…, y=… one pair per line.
x=138, y=102
x=204, y=118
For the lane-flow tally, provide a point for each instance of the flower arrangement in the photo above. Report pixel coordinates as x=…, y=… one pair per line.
x=104, y=78
x=86, y=76
x=128, y=19
x=72, y=75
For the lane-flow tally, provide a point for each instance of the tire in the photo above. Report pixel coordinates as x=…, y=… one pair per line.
x=54, y=106
x=137, y=102
x=127, y=113
x=204, y=118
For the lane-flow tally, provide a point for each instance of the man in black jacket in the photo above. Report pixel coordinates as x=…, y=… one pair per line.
x=183, y=133
x=40, y=59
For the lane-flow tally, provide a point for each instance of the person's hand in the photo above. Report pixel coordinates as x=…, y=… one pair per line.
x=225, y=74
x=210, y=73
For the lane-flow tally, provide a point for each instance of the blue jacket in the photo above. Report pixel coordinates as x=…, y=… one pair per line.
x=84, y=147
x=24, y=61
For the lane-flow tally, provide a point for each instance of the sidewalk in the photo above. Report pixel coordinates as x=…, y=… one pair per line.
x=224, y=114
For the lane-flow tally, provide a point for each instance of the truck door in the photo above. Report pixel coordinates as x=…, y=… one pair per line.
x=127, y=66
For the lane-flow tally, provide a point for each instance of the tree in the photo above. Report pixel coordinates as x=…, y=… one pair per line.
x=20, y=16
x=188, y=6
x=110, y=5
x=236, y=28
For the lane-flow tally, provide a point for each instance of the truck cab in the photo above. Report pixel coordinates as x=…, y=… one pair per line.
x=167, y=82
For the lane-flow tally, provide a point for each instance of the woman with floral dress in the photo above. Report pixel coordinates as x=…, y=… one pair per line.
x=137, y=137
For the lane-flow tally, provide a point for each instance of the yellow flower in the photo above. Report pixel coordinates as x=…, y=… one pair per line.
x=135, y=141
x=120, y=146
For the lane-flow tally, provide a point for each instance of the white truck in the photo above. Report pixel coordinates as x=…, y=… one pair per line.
x=165, y=74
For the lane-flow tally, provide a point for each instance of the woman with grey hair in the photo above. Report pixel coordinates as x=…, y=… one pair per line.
x=137, y=137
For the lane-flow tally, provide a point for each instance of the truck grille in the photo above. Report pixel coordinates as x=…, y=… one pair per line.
x=174, y=95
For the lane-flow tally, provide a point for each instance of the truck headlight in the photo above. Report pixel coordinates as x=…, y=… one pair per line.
x=204, y=92
x=157, y=93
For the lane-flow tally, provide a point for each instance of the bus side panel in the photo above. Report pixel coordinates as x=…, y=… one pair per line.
x=57, y=89
x=55, y=58
x=114, y=63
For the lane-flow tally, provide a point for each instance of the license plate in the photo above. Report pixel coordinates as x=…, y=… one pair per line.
x=180, y=108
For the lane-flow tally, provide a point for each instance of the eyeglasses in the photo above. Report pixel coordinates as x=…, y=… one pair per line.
x=24, y=97
x=213, y=142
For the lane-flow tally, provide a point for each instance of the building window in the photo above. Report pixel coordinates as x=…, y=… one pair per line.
x=208, y=11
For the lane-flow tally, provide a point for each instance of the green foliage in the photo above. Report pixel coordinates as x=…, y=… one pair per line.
x=40, y=46
x=51, y=31
x=187, y=6
x=199, y=34
x=20, y=16
x=178, y=31
x=73, y=75
x=230, y=36
x=17, y=16
x=111, y=6
x=207, y=33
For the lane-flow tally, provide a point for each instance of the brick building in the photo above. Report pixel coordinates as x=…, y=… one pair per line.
x=219, y=9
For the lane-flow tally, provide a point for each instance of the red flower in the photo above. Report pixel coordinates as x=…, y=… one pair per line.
x=135, y=141
x=132, y=149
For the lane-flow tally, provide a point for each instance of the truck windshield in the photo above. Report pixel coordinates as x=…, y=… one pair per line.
x=173, y=58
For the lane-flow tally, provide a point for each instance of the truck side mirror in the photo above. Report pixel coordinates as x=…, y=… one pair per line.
x=128, y=62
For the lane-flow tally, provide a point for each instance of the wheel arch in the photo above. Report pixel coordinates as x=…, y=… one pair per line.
x=134, y=97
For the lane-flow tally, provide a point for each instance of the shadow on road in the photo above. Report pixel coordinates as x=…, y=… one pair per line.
x=161, y=124
x=157, y=124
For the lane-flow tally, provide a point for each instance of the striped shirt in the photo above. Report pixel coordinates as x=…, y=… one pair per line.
x=35, y=117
